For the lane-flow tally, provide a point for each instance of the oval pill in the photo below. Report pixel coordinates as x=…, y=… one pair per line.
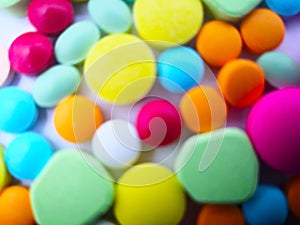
x=293, y=195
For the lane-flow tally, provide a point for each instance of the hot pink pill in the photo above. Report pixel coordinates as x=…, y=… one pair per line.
x=31, y=53
x=274, y=127
x=50, y=16
x=158, y=123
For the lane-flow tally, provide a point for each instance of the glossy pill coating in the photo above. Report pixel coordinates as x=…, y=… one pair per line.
x=272, y=125
x=286, y=8
x=6, y=74
x=112, y=16
x=267, y=206
x=18, y=110
x=55, y=84
x=242, y=82
x=76, y=118
x=31, y=53
x=180, y=69
x=72, y=46
x=5, y=177
x=8, y=3
x=15, y=206
x=219, y=42
x=149, y=194
x=50, y=16
x=293, y=195
x=158, y=123
x=262, y=30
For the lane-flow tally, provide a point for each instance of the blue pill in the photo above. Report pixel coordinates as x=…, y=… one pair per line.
x=18, y=110
x=284, y=7
x=180, y=69
x=27, y=155
x=268, y=206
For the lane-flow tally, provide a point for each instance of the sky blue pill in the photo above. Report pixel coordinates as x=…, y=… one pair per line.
x=180, y=69
x=284, y=7
x=268, y=206
x=27, y=155
x=17, y=109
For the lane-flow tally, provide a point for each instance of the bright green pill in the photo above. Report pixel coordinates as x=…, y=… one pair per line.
x=73, y=189
x=8, y=3
x=75, y=42
x=5, y=177
x=111, y=16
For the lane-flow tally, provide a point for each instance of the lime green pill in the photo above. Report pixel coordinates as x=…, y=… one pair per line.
x=8, y=3
x=5, y=177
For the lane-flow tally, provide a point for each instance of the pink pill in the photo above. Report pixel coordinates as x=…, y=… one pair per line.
x=31, y=53
x=274, y=128
x=50, y=16
x=158, y=123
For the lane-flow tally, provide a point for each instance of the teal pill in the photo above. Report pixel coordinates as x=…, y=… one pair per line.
x=55, y=84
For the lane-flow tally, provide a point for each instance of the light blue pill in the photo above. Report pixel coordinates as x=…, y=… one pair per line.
x=284, y=8
x=27, y=155
x=180, y=69
x=18, y=111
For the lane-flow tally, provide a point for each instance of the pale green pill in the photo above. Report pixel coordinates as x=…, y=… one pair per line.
x=55, y=84
x=113, y=16
x=8, y=3
x=73, y=45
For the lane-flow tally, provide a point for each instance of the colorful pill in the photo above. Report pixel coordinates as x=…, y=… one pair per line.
x=8, y=3
x=286, y=8
x=5, y=177
x=293, y=195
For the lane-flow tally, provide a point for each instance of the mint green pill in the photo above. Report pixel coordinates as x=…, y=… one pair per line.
x=113, y=16
x=8, y=3
x=73, y=189
x=55, y=84
x=75, y=42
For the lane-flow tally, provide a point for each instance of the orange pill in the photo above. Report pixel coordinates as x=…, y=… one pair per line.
x=15, y=206
x=293, y=195
x=219, y=42
x=203, y=109
x=242, y=82
x=262, y=30
x=220, y=215
x=76, y=118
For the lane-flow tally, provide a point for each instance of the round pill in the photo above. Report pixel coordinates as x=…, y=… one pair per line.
x=6, y=73
x=262, y=30
x=169, y=23
x=286, y=8
x=55, y=84
x=8, y=3
x=116, y=144
x=120, y=69
x=5, y=177
x=293, y=195
x=76, y=118
x=219, y=42
x=15, y=206
x=272, y=125
x=113, y=16
x=180, y=69
x=18, y=110
x=50, y=16
x=158, y=123
x=203, y=109
x=31, y=53
x=67, y=48
x=267, y=206
x=149, y=194
x=242, y=82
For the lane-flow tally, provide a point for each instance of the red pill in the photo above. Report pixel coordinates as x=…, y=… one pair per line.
x=31, y=53
x=50, y=16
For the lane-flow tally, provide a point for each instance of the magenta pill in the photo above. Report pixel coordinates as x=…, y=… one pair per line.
x=274, y=127
x=31, y=53
x=50, y=16
x=158, y=123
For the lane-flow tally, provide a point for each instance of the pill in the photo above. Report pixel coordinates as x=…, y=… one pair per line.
x=18, y=110
x=286, y=8
x=15, y=206
x=272, y=125
x=149, y=194
x=112, y=16
x=55, y=84
x=219, y=42
x=8, y=3
x=72, y=46
x=5, y=177
x=242, y=82
x=120, y=69
x=116, y=144
x=31, y=53
x=6, y=74
x=203, y=109
x=76, y=118
x=50, y=16
x=74, y=187
x=180, y=69
x=206, y=167
x=262, y=30
x=267, y=206
x=293, y=195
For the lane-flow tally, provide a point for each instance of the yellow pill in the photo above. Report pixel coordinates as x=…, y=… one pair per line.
x=120, y=68
x=5, y=178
